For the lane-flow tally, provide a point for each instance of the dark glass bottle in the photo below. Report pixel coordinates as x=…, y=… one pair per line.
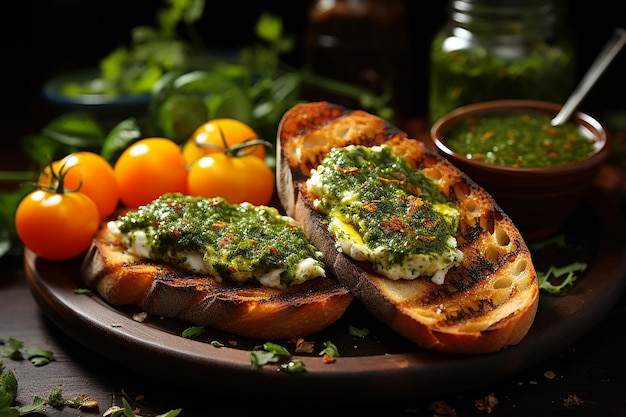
x=501, y=49
x=363, y=42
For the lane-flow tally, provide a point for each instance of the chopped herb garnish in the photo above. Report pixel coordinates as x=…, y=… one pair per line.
x=272, y=353
x=193, y=332
x=330, y=349
x=353, y=331
x=12, y=351
x=39, y=357
x=569, y=271
x=293, y=367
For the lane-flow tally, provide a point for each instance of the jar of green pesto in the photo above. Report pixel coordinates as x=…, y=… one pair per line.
x=501, y=49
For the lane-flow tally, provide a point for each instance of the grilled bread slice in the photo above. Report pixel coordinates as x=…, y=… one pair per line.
x=248, y=310
x=486, y=302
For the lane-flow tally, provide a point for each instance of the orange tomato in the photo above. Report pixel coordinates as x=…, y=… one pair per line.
x=149, y=168
x=236, y=179
x=56, y=226
x=90, y=174
x=219, y=135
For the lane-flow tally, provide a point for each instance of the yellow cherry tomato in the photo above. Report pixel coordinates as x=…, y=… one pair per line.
x=218, y=135
x=149, y=168
x=88, y=173
x=235, y=178
x=56, y=226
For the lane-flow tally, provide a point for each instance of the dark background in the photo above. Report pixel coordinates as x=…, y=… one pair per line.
x=42, y=39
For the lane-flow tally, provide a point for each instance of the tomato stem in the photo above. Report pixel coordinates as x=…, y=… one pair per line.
x=236, y=150
x=57, y=180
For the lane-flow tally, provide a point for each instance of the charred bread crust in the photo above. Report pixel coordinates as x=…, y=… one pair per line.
x=253, y=311
x=486, y=303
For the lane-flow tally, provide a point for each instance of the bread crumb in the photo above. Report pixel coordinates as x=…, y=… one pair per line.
x=486, y=404
x=303, y=346
x=549, y=374
x=140, y=317
x=572, y=400
x=441, y=409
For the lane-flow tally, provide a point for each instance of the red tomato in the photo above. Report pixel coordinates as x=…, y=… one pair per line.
x=236, y=179
x=221, y=134
x=56, y=226
x=90, y=174
x=149, y=168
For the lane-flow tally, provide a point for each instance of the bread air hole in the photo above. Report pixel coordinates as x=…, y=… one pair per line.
x=502, y=237
x=433, y=174
x=491, y=254
x=461, y=190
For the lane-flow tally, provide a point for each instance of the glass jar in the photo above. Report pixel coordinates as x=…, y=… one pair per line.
x=501, y=49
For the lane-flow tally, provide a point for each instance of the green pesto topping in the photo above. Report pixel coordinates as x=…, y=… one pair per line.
x=519, y=140
x=391, y=214
x=239, y=242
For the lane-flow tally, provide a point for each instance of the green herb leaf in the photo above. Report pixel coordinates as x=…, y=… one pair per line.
x=193, y=332
x=37, y=406
x=570, y=271
x=293, y=367
x=353, y=331
x=39, y=357
x=12, y=351
x=330, y=350
x=119, y=138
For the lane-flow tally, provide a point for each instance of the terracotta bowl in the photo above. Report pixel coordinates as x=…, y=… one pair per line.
x=538, y=199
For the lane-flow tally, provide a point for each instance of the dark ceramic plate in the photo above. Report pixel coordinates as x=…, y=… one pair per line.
x=381, y=367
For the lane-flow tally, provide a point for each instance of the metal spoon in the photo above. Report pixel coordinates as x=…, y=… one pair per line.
x=603, y=60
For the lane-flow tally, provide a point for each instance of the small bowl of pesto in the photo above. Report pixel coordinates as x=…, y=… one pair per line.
x=538, y=173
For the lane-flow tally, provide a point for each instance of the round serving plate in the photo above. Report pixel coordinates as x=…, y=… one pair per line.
x=381, y=367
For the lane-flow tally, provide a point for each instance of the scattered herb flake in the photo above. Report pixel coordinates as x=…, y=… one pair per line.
x=353, y=331
x=330, y=349
x=193, y=332
x=268, y=353
x=569, y=271
x=83, y=291
x=293, y=367
x=12, y=351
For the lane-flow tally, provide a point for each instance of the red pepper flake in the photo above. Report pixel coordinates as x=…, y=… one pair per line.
x=429, y=224
x=415, y=204
x=328, y=359
x=400, y=180
x=219, y=225
x=489, y=134
x=414, y=190
x=425, y=238
x=176, y=232
x=396, y=225
x=274, y=251
x=227, y=239
x=231, y=269
x=371, y=207
x=291, y=226
x=350, y=170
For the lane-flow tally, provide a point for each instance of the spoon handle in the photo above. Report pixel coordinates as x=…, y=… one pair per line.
x=603, y=60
